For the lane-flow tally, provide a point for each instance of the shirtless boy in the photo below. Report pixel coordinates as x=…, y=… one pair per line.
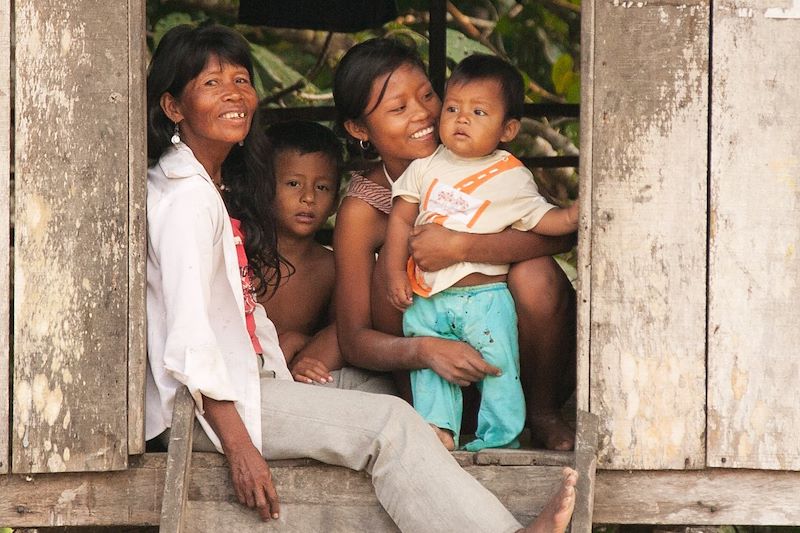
x=306, y=160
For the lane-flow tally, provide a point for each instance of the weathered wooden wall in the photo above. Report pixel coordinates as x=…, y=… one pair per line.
x=5, y=172
x=648, y=242
x=754, y=271
x=70, y=375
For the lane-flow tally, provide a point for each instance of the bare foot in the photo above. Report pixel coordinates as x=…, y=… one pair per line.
x=445, y=437
x=552, y=431
x=556, y=514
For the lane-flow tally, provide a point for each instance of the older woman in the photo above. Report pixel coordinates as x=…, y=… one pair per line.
x=210, y=235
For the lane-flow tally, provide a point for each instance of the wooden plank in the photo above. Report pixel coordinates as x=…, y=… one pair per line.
x=71, y=256
x=179, y=465
x=137, y=233
x=709, y=497
x=753, y=338
x=586, y=440
x=648, y=248
x=5, y=210
x=133, y=496
x=584, y=265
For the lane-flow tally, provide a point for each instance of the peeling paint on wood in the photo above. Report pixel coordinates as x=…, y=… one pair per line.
x=648, y=249
x=71, y=237
x=754, y=274
x=5, y=207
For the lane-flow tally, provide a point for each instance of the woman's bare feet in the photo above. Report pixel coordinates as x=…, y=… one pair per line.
x=550, y=429
x=445, y=437
x=556, y=514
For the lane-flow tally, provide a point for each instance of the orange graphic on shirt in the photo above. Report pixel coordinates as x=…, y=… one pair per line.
x=468, y=185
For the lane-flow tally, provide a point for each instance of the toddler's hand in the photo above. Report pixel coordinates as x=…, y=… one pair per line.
x=310, y=370
x=400, y=294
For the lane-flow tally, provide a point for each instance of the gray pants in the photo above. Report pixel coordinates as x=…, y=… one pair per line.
x=416, y=479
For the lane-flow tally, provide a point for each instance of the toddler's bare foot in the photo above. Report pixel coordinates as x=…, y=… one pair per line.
x=445, y=437
x=556, y=514
x=552, y=431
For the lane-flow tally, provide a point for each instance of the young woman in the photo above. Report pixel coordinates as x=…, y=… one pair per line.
x=208, y=237
x=386, y=104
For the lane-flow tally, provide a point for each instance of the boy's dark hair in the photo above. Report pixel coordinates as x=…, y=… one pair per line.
x=489, y=67
x=306, y=137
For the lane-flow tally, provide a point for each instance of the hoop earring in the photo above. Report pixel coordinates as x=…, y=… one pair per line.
x=364, y=144
x=176, y=135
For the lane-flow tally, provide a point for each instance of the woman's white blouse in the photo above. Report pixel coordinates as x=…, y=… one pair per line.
x=196, y=330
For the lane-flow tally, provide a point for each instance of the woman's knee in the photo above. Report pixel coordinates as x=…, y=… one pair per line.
x=539, y=287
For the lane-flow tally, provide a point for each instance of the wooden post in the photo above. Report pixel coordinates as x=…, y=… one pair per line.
x=137, y=235
x=586, y=464
x=71, y=236
x=648, y=242
x=753, y=334
x=179, y=465
x=584, y=292
x=5, y=207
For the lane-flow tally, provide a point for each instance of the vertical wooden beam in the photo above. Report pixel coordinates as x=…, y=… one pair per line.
x=586, y=440
x=5, y=230
x=71, y=237
x=179, y=465
x=754, y=271
x=137, y=235
x=648, y=249
x=584, y=292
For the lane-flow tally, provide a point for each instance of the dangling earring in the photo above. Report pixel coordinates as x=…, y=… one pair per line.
x=241, y=143
x=364, y=145
x=176, y=135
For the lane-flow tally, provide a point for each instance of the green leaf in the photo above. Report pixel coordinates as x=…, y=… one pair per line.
x=168, y=22
x=562, y=74
x=460, y=46
x=271, y=73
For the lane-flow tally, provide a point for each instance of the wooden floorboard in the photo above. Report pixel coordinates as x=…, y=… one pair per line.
x=133, y=497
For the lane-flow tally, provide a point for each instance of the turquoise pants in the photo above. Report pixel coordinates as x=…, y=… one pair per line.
x=485, y=318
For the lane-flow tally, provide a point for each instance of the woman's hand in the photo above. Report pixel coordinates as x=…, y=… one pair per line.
x=456, y=361
x=435, y=247
x=252, y=480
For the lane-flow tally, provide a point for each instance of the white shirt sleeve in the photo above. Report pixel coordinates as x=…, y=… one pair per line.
x=184, y=246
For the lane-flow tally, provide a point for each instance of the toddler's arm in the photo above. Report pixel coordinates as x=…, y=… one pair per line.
x=559, y=221
x=401, y=220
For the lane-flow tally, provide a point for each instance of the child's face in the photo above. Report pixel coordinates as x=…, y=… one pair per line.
x=473, y=121
x=305, y=191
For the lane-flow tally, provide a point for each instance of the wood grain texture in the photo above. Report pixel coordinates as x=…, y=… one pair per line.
x=5, y=209
x=586, y=441
x=754, y=272
x=179, y=465
x=137, y=233
x=133, y=496
x=648, y=240
x=584, y=265
x=709, y=497
x=71, y=253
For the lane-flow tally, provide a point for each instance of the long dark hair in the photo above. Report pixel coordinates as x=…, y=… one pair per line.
x=180, y=56
x=358, y=69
